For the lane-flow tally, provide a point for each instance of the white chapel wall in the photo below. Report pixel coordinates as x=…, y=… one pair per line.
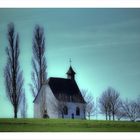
x=72, y=110
x=51, y=103
x=37, y=113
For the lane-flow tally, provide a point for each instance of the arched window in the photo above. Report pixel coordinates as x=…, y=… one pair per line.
x=65, y=110
x=77, y=111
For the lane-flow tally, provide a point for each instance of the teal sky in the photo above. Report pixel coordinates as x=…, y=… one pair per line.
x=104, y=45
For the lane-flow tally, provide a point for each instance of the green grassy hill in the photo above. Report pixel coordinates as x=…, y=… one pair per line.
x=66, y=125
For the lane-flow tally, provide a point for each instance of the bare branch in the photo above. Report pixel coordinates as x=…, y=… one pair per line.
x=131, y=110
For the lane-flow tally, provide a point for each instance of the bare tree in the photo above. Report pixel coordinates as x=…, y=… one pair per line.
x=60, y=108
x=120, y=113
x=114, y=101
x=131, y=110
x=39, y=74
x=109, y=103
x=24, y=106
x=61, y=104
x=89, y=108
x=103, y=104
x=138, y=104
x=12, y=73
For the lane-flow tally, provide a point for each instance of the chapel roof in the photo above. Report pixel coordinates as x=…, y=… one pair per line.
x=65, y=90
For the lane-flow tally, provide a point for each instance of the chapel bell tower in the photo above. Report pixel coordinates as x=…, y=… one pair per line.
x=71, y=73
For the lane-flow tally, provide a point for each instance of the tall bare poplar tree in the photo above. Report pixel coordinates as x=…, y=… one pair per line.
x=39, y=74
x=12, y=73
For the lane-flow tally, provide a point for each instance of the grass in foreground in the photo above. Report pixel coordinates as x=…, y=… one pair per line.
x=66, y=125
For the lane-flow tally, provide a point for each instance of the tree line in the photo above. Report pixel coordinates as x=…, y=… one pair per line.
x=112, y=106
x=13, y=75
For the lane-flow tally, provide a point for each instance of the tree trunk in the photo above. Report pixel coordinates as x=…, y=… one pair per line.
x=62, y=116
x=106, y=116
x=84, y=114
x=15, y=111
x=89, y=116
x=113, y=116
x=109, y=114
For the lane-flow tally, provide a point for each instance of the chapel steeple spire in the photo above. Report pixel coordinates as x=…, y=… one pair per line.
x=71, y=73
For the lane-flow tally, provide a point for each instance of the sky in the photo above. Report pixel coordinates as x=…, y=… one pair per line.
x=103, y=44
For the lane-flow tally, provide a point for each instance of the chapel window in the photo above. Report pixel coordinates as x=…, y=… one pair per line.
x=77, y=111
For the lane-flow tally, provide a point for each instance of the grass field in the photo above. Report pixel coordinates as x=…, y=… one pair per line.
x=66, y=125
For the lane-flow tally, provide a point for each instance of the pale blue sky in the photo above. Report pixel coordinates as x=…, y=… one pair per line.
x=104, y=45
